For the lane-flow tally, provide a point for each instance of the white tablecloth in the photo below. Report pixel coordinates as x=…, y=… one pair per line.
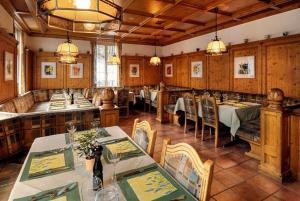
x=153, y=94
x=31, y=187
x=229, y=115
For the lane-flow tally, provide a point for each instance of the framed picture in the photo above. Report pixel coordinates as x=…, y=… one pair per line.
x=169, y=70
x=8, y=66
x=134, y=70
x=48, y=69
x=244, y=67
x=76, y=70
x=196, y=68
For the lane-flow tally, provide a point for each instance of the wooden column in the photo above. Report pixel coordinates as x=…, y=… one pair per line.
x=275, y=159
x=109, y=113
x=162, y=100
x=295, y=143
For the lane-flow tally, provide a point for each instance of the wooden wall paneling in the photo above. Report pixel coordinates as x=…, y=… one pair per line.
x=218, y=72
x=84, y=82
x=295, y=144
x=28, y=69
x=132, y=81
x=8, y=88
x=198, y=83
x=251, y=85
x=282, y=64
x=182, y=71
x=152, y=74
x=172, y=81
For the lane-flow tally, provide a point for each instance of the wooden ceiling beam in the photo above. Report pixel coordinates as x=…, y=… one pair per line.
x=32, y=9
x=152, y=26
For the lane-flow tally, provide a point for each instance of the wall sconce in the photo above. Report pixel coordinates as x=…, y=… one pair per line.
x=246, y=40
x=267, y=36
x=197, y=49
x=286, y=33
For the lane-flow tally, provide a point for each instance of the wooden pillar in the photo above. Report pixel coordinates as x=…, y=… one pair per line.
x=275, y=160
x=109, y=113
x=294, y=129
x=162, y=100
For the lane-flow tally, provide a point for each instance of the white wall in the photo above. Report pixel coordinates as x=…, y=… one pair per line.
x=50, y=44
x=6, y=21
x=256, y=30
x=140, y=50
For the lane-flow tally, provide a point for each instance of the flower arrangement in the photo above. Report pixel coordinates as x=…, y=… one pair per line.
x=87, y=144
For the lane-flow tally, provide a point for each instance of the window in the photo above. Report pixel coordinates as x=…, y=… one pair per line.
x=106, y=75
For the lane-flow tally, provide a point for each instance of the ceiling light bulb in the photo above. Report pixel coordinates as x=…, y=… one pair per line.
x=83, y=4
x=89, y=26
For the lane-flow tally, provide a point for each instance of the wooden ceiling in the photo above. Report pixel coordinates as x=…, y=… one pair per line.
x=160, y=22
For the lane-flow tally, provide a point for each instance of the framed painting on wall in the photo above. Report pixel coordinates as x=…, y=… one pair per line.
x=76, y=70
x=169, y=70
x=48, y=70
x=134, y=70
x=8, y=66
x=244, y=67
x=196, y=68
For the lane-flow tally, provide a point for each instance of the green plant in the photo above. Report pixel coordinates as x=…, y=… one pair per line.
x=87, y=144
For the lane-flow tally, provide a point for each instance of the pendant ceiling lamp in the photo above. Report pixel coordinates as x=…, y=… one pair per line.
x=67, y=52
x=114, y=59
x=155, y=60
x=80, y=15
x=216, y=46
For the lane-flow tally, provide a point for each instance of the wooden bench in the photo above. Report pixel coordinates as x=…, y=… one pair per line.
x=250, y=132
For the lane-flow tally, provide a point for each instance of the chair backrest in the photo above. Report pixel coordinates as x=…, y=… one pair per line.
x=147, y=93
x=190, y=106
x=209, y=109
x=144, y=136
x=95, y=96
x=184, y=164
x=86, y=94
x=123, y=97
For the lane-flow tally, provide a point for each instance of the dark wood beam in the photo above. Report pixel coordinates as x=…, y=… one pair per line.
x=31, y=5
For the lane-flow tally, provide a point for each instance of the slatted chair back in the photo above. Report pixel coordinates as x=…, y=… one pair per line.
x=144, y=135
x=95, y=96
x=147, y=93
x=184, y=164
x=86, y=95
x=209, y=109
x=190, y=106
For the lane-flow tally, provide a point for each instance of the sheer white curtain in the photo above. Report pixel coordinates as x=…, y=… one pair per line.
x=106, y=75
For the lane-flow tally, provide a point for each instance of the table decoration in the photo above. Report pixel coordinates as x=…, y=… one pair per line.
x=64, y=193
x=97, y=132
x=41, y=164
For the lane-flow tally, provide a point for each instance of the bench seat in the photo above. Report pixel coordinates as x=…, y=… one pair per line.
x=250, y=132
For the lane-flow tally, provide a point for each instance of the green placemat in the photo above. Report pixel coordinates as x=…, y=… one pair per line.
x=71, y=194
x=100, y=134
x=69, y=164
x=124, y=156
x=156, y=180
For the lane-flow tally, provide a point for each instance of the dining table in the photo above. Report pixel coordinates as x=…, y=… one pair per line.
x=153, y=94
x=231, y=113
x=71, y=183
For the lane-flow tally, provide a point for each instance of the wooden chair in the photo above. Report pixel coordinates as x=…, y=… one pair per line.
x=147, y=98
x=123, y=100
x=210, y=116
x=184, y=164
x=191, y=111
x=144, y=136
x=96, y=99
x=86, y=95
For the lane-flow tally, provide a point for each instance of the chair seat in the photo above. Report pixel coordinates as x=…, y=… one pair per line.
x=39, y=107
x=250, y=130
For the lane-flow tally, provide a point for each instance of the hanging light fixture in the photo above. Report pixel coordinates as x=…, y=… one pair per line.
x=155, y=60
x=67, y=51
x=80, y=15
x=114, y=59
x=216, y=46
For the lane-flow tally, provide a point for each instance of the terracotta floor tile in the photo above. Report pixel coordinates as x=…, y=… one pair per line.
x=228, y=195
x=272, y=198
x=228, y=178
x=250, y=164
x=294, y=186
x=264, y=183
x=242, y=172
x=225, y=162
x=250, y=192
x=217, y=187
x=287, y=195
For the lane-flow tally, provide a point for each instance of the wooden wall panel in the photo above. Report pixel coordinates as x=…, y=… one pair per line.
x=29, y=63
x=182, y=71
x=172, y=81
x=8, y=89
x=152, y=74
x=219, y=72
x=283, y=67
x=62, y=79
x=198, y=83
x=126, y=79
x=252, y=85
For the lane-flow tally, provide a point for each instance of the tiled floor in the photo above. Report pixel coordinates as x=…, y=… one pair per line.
x=236, y=176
